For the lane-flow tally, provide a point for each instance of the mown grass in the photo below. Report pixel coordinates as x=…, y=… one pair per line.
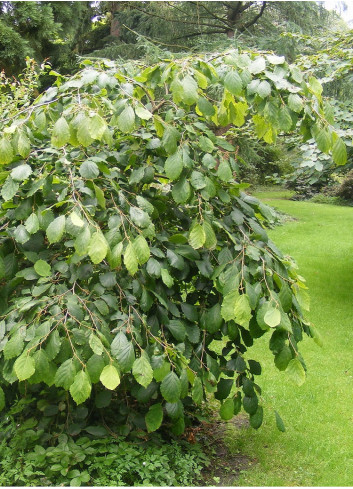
x=317, y=447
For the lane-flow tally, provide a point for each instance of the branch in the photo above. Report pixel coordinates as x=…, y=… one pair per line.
x=154, y=41
x=255, y=19
x=186, y=36
x=200, y=4
x=30, y=108
x=246, y=6
x=175, y=20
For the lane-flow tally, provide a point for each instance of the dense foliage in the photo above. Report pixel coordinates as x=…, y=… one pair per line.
x=95, y=458
x=128, y=250
x=330, y=60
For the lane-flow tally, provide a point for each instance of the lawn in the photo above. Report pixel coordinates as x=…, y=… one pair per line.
x=317, y=447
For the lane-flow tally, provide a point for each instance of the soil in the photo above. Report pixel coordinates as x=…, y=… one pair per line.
x=225, y=466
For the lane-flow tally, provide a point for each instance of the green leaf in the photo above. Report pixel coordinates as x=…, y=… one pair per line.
x=139, y=217
x=145, y=204
x=123, y=350
x=174, y=409
x=97, y=247
x=224, y=172
x=40, y=121
x=213, y=319
x=82, y=241
x=205, y=107
x=9, y=189
x=242, y=310
x=190, y=312
x=130, y=259
x=43, y=372
x=167, y=278
x=174, y=165
x=264, y=89
x=171, y=387
x=154, y=268
x=177, y=328
x=211, y=239
x=295, y=102
x=276, y=60
x=110, y=377
x=65, y=375
x=53, y=345
x=323, y=138
x=250, y=404
x=126, y=120
x=169, y=139
x=13, y=347
x=32, y=224
x=316, y=336
x=283, y=358
x=197, y=236
x=279, y=422
x=21, y=172
x=257, y=418
x=83, y=132
x=76, y=220
x=141, y=248
x=95, y=344
x=89, y=169
x=42, y=268
x=154, y=417
x=189, y=87
x=142, y=370
x=81, y=388
x=197, y=180
x=197, y=391
x=339, y=152
x=99, y=193
x=143, y=113
x=296, y=371
x=24, y=366
x=21, y=235
x=181, y=191
x=315, y=86
x=114, y=258
x=6, y=152
x=161, y=371
x=95, y=366
x=2, y=399
x=285, y=119
x=233, y=83
x=228, y=305
x=227, y=409
x=97, y=127
x=272, y=317
x=23, y=145
x=257, y=65
x=56, y=229
x=61, y=133
x=285, y=297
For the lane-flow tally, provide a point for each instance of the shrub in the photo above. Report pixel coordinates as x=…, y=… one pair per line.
x=26, y=459
x=128, y=247
x=345, y=190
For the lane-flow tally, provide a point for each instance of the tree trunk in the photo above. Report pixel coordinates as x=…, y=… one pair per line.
x=115, y=30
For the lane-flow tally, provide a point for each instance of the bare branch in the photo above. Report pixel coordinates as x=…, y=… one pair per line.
x=215, y=16
x=255, y=19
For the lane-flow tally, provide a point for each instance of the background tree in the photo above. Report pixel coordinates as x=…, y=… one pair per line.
x=43, y=30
